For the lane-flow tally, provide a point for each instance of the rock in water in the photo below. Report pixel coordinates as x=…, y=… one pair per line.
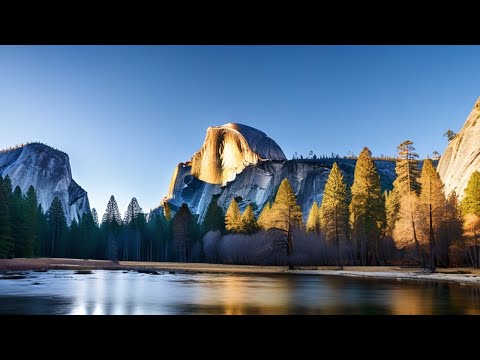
x=462, y=155
x=48, y=170
x=238, y=161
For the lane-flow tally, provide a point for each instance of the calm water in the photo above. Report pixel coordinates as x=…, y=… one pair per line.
x=116, y=292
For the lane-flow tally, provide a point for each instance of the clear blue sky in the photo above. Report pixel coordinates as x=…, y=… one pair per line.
x=126, y=115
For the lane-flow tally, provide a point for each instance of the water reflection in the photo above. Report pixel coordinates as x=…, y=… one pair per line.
x=116, y=292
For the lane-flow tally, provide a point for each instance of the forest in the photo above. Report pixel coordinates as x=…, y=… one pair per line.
x=415, y=223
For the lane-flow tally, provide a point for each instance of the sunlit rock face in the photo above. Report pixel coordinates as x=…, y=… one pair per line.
x=255, y=179
x=230, y=148
x=48, y=170
x=462, y=155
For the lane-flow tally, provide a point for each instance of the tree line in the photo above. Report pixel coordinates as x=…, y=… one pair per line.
x=414, y=223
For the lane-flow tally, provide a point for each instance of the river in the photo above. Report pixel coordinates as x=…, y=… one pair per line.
x=130, y=292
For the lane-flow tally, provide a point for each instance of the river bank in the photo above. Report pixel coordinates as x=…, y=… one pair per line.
x=459, y=275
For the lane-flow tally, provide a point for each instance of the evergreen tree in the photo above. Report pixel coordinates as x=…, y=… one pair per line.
x=233, y=217
x=214, y=218
x=74, y=249
x=367, y=208
x=471, y=200
x=111, y=226
x=88, y=236
x=334, y=213
x=451, y=233
x=264, y=217
x=432, y=206
x=6, y=242
x=285, y=213
x=392, y=208
x=407, y=169
x=31, y=245
x=95, y=217
x=313, y=220
x=112, y=214
x=405, y=191
x=18, y=222
x=132, y=239
x=167, y=211
x=183, y=232
x=43, y=234
x=57, y=229
x=248, y=222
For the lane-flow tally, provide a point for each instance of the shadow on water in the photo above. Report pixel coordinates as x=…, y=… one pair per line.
x=115, y=292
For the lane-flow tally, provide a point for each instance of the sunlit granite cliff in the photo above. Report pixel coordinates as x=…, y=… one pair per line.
x=462, y=155
x=238, y=161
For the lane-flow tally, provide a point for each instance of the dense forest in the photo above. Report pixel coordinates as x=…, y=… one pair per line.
x=415, y=223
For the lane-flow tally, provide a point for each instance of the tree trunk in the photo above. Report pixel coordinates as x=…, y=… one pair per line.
x=432, y=240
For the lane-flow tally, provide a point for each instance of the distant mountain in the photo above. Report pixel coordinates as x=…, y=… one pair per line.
x=462, y=155
x=238, y=161
x=48, y=170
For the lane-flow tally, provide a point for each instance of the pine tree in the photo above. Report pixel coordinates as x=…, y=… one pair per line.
x=43, y=234
x=392, y=208
x=18, y=222
x=451, y=229
x=111, y=224
x=6, y=242
x=432, y=206
x=74, y=245
x=132, y=239
x=95, y=217
x=264, y=217
x=112, y=214
x=405, y=191
x=214, y=217
x=183, y=234
x=88, y=236
x=471, y=200
x=31, y=245
x=248, y=222
x=334, y=212
x=57, y=229
x=233, y=217
x=167, y=211
x=407, y=169
x=285, y=213
x=313, y=221
x=367, y=208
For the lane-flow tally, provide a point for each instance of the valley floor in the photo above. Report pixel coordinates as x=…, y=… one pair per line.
x=464, y=276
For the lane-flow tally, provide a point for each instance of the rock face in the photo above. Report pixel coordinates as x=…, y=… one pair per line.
x=462, y=155
x=230, y=148
x=48, y=170
x=255, y=174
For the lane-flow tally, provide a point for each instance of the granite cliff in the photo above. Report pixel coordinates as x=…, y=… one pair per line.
x=462, y=155
x=238, y=161
x=48, y=170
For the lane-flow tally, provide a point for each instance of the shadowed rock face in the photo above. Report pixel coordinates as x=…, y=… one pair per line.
x=255, y=179
x=48, y=170
x=462, y=155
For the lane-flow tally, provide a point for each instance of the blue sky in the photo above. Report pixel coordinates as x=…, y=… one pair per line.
x=126, y=115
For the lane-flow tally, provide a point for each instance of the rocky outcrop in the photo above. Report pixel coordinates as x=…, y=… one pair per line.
x=230, y=148
x=48, y=170
x=256, y=177
x=462, y=155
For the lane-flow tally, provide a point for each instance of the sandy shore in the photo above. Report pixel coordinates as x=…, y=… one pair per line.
x=460, y=275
